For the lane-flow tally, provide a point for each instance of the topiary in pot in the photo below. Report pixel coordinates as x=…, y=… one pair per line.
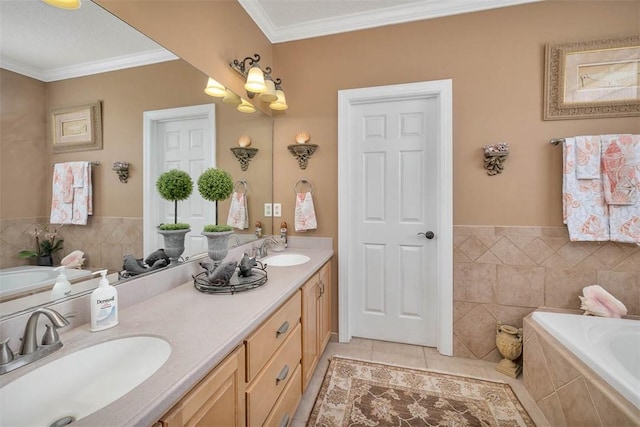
x=174, y=185
x=215, y=185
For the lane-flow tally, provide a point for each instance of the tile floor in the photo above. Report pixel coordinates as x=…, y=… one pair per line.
x=411, y=356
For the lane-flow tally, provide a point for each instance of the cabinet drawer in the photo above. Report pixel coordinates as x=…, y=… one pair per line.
x=267, y=338
x=286, y=406
x=268, y=385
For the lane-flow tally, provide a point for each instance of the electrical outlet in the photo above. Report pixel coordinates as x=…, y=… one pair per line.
x=268, y=209
x=277, y=209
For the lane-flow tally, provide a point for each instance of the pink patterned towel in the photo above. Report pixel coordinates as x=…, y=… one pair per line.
x=588, y=157
x=620, y=169
x=238, y=213
x=305, y=215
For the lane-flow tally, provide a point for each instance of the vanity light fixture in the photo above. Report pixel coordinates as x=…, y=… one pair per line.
x=258, y=80
x=64, y=4
x=215, y=89
x=246, y=107
x=231, y=97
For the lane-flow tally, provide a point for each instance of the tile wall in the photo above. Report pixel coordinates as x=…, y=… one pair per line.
x=104, y=240
x=504, y=273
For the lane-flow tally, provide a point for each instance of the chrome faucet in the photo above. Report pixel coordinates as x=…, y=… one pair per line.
x=30, y=351
x=262, y=250
x=238, y=242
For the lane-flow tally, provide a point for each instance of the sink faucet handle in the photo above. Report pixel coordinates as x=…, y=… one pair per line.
x=6, y=355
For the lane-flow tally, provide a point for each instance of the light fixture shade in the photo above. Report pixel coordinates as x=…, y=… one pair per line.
x=246, y=107
x=255, y=80
x=215, y=89
x=279, y=104
x=231, y=98
x=270, y=94
x=64, y=4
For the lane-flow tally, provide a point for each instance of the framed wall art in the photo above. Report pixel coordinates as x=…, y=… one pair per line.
x=77, y=128
x=591, y=79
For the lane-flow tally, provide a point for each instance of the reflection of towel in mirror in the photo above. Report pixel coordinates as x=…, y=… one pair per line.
x=238, y=213
x=305, y=215
x=62, y=194
x=82, y=192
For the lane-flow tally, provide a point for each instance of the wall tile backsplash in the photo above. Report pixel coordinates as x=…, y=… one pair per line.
x=504, y=273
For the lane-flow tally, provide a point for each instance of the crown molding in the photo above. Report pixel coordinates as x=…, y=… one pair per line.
x=90, y=68
x=376, y=18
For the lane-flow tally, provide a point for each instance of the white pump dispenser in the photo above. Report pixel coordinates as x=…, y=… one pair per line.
x=104, y=304
x=62, y=286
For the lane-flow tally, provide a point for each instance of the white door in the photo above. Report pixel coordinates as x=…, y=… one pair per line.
x=393, y=224
x=181, y=138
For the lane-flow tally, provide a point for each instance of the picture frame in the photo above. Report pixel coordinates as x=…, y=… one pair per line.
x=77, y=128
x=592, y=79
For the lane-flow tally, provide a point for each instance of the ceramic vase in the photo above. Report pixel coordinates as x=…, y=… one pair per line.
x=217, y=245
x=174, y=243
x=509, y=344
x=45, y=261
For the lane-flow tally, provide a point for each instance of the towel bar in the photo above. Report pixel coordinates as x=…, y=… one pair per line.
x=302, y=181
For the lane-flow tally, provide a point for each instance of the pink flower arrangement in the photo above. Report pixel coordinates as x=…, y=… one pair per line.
x=47, y=242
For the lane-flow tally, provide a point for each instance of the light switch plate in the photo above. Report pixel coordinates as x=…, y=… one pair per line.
x=268, y=209
x=277, y=209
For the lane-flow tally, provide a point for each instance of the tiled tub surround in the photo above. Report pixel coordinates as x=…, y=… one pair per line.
x=104, y=240
x=566, y=390
x=201, y=328
x=505, y=273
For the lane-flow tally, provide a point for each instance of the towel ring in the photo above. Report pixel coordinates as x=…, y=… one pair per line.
x=242, y=182
x=302, y=181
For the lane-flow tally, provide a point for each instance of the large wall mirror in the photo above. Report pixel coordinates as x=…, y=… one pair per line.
x=116, y=226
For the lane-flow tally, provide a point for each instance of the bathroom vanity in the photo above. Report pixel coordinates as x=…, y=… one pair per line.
x=236, y=360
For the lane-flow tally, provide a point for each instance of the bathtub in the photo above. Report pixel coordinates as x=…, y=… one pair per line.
x=19, y=280
x=610, y=347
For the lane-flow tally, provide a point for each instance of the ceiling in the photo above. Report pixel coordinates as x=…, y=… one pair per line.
x=48, y=51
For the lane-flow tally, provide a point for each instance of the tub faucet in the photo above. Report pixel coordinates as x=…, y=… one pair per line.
x=30, y=351
x=262, y=250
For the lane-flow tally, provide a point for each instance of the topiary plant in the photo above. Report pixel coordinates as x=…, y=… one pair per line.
x=175, y=185
x=176, y=226
x=217, y=228
x=215, y=185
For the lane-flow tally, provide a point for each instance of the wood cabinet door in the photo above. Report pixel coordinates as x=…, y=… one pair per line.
x=324, y=309
x=310, y=353
x=218, y=400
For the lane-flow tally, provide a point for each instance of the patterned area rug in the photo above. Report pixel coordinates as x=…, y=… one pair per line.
x=357, y=393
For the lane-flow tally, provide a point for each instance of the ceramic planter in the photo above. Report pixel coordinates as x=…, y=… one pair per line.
x=174, y=243
x=217, y=243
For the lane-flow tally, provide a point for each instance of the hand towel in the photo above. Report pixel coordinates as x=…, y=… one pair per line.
x=588, y=157
x=62, y=194
x=305, y=214
x=619, y=169
x=238, y=213
x=82, y=192
x=584, y=209
x=624, y=219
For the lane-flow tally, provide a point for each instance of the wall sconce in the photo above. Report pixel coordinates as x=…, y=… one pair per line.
x=122, y=169
x=259, y=81
x=246, y=107
x=494, y=157
x=301, y=149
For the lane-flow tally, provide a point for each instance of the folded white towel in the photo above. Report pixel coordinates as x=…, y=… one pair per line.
x=305, y=214
x=238, y=213
x=584, y=210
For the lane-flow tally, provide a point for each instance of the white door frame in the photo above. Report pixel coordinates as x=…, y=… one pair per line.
x=150, y=122
x=442, y=90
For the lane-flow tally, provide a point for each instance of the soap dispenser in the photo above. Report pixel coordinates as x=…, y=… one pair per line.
x=104, y=304
x=62, y=286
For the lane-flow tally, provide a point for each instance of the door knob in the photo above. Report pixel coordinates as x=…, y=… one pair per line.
x=429, y=235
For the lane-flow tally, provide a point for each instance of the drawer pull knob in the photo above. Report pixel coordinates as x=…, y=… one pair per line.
x=285, y=421
x=282, y=329
x=283, y=374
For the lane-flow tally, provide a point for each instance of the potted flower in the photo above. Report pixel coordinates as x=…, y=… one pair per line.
x=174, y=185
x=215, y=185
x=47, y=244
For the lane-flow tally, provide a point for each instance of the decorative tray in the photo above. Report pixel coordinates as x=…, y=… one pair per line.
x=235, y=284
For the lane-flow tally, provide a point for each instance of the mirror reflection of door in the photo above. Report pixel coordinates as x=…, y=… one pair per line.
x=178, y=138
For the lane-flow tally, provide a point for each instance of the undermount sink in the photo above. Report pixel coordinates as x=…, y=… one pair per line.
x=285, y=260
x=80, y=383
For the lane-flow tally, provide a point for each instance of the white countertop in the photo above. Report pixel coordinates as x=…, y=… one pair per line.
x=201, y=328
